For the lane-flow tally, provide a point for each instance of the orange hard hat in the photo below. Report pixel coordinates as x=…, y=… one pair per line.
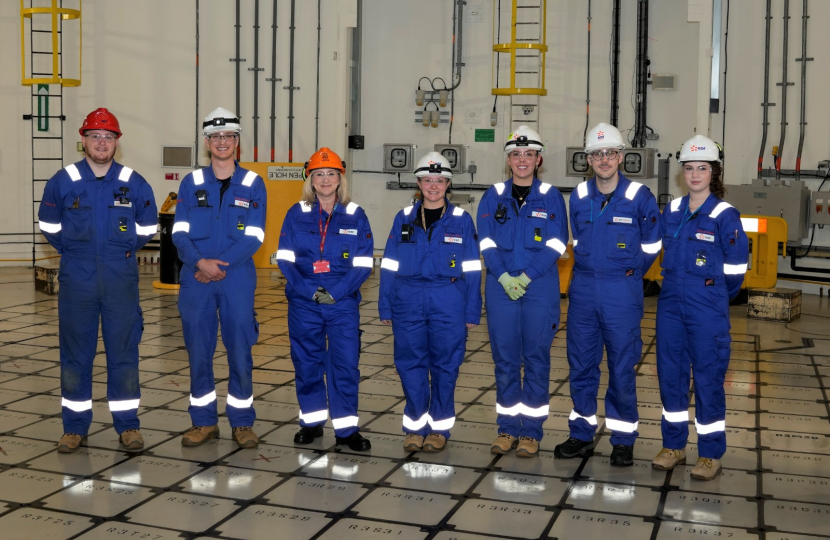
x=325, y=158
x=101, y=119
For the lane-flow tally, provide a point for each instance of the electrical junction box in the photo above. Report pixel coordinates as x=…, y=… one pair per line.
x=456, y=154
x=398, y=158
x=770, y=197
x=576, y=162
x=178, y=157
x=638, y=162
x=819, y=209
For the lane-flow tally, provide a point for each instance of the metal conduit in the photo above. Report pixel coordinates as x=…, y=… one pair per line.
x=273, y=80
x=198, y=121
x=256, y=69
x=766, y=104
x=291, y=88
x=784, y=85
x=317, y=98
x=615, y=64
x=803, y=61
x=237, y=60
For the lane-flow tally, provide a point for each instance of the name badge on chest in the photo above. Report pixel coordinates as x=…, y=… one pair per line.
x=242, y=203
x=705, y=237
x=622, y=220
x=123, y=203
x=542, y=215
x=453, y=240
x=350, y=232
x=321, y=267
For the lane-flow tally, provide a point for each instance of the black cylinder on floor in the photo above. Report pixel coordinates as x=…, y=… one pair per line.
x=169, y=263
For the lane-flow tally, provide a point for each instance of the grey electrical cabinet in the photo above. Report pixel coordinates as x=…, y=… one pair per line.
x=638, y=163
x=576, y=162
x=777, y=200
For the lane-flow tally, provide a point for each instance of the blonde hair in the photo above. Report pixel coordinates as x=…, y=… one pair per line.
x=343, y=195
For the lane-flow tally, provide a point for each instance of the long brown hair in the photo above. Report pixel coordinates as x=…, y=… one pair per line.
x=716, y=182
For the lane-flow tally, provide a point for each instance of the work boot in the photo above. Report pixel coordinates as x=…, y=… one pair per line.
x=70, y=442
x=199, y=435
x=706, y=468
x=131, y=439
x=435, y=442
x=245, y=437
x=668, y=459
x=622, y=455
x=574, y=448
x=307, y=434
x=413, y=442
x=355, y=442
x=528, y=447
x=503, y=444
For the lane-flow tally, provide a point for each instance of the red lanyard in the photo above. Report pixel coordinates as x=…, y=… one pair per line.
x=324, y=231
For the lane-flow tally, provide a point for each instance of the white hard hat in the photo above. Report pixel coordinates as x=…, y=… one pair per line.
x=433, y=164
x=699, y=148
x=220, y=119
x=524, y=137
x=603, y=135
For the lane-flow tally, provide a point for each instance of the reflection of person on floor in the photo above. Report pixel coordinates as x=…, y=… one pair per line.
x=325, y=253
x=705, y=259
x=430, y=294
x=220, y=223
x=98, y=213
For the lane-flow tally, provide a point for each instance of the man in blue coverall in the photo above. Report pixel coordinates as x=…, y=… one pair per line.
x=98, y=213
x=220, y=223
x=616, y=237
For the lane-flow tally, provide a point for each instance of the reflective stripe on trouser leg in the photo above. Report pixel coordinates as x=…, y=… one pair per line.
x=308, y=347
x=524, y=327
x=121, y=328
x=710, y=360
x=197, y=305
x=342, y=322
x=78, y=311
x=239, y=333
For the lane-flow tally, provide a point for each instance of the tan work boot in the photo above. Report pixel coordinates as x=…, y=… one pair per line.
x=132, y=439
x=503, y=444
x=199, y=435
x=706, y=469
x=245, y=437
x=413, y=442
x=435, y=442
x=70, y=442
x=528, y=447
x=668, y=459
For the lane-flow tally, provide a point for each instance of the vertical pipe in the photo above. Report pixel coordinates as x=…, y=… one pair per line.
x=291, y=88
x=357, y=57
x=784, y=85
x=803, y=59
x=765, y=104
x=238, y=60
x=641, y=74
x=588, y=80
x=273, y=79
x=256, y=69
x=198, y=123
x=615, y=65
x=317, y=98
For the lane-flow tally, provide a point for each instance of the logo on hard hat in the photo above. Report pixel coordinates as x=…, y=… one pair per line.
x=325, y=156
x=600, y=135
x=694, y=148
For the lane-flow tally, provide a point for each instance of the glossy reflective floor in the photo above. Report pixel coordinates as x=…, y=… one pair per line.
x=776, y=482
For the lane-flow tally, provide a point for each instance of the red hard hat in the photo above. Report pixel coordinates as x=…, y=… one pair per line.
x=101, y=119
x=325, y=158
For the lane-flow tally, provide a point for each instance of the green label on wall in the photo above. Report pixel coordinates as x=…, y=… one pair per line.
x=485, y=135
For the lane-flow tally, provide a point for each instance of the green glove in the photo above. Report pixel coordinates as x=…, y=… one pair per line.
x=513, y=286
x=322, y=296
x=524, y=279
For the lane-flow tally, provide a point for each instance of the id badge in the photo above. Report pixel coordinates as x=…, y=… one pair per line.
x=321, y=267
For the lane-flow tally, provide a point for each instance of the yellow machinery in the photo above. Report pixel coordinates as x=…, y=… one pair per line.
x=56, y=14
x=282, y=194
x=565, y=265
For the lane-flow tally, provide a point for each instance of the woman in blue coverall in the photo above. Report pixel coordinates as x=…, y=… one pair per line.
x=430, y=294
x=325, y=252
x=523, y=229
x=704, y=262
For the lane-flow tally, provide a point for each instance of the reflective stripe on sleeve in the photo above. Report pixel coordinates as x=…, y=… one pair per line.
x=198, y=177
x=471, y=266
x=631, y=191
x=719, y=208
x=457, y=211
x=653, y=248
x=125, y=173
x=204, y=400
x=582, y=189
x=363, y=262
x=305, y=207
x=675, y=204
x=285, y=255
x=575, y=242
x=49, y=227
x=248, y=181
x=544, y=188
x=73, y=172
x=77, y=406
x=124, y=405
x=486, y=243
x=255, y=231
x=181, y=226
x=734, y=269
x=351, y=208
x=389, y=264
x=557, y=245
x=147, y=230
x=240, y=403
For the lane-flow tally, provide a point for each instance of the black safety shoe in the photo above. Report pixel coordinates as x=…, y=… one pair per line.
x=307, y=434
x=622, y=455
x=574, y=448
x=355, y=441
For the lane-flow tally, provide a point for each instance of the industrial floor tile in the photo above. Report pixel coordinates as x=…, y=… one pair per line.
x=774, y=484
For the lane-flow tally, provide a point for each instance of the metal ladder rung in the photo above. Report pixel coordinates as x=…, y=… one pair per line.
x=43, y=31
x=47, y=159
x=45, y=52
x=47, y=137
x=526, y=72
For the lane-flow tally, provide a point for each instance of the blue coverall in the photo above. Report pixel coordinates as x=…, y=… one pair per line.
x=231, y=230
x=614, y=246
x=348, y=249
x=98, y=226
x=704, y=262
x=528, y=239
x=430, y=288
